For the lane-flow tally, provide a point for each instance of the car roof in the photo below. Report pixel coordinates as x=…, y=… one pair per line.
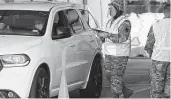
x=33, y=5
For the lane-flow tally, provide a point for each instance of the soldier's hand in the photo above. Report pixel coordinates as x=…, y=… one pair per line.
x=103, y=34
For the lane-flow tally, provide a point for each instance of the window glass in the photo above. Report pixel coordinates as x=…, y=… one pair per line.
x=22, y=22
x=89, y=19
x=59, y=21
x=74, y=20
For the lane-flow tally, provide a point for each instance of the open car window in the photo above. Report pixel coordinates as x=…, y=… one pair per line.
x=89, y=19
x=74, y=20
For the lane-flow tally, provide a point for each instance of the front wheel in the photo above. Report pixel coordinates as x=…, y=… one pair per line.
x=94, y=85
x=40, y=85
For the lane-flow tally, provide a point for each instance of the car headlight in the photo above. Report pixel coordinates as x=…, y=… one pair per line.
x=14, y=60
x=8, y=94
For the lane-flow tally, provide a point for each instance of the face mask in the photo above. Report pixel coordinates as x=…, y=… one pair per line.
x=112, y=11
x=39, y=26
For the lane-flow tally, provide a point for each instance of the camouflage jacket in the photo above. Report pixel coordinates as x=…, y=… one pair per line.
x=150, y=42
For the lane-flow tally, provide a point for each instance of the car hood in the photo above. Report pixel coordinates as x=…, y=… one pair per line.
x=17, y=44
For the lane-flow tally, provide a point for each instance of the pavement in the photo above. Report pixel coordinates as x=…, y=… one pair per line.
x=136, y=78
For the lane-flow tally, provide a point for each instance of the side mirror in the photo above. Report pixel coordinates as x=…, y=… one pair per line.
x=62, y=32
x=135, y=41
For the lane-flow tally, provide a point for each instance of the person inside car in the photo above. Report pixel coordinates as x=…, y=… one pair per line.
x=39, y=27
x=4, y=26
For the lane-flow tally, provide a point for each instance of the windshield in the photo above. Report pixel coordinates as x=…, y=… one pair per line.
x=21, y=22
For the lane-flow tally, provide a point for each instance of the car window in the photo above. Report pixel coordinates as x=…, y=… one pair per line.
x=74, y=20
x=89, y=19
x=59, y=21
x=22, y=22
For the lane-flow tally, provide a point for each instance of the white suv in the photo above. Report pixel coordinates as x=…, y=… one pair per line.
x=38, y=39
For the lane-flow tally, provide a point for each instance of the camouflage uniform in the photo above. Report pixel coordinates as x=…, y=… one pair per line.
x=160, y=79
x=115, y=66
x=150, y=42
x=159, y=72
x=114, y=69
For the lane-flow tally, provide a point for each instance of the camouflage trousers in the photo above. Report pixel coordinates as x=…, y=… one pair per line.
x=114, y=70
x=160, y=79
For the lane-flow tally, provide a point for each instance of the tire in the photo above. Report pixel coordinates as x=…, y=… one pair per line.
x=94, y=85
x=40, y=85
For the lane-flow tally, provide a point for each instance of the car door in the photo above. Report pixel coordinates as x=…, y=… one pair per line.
x=84, y=50
x=91, y=34
x=62, y=48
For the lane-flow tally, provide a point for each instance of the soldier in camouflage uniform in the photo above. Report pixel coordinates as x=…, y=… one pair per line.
x=114, y=70
x=158, y=47
x=118, y=28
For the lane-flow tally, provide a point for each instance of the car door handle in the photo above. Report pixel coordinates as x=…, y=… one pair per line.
x=71, y=45
x=91, y=40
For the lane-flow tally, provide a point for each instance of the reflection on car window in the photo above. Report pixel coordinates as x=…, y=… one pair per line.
x=20, y=22
x=74, y=20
